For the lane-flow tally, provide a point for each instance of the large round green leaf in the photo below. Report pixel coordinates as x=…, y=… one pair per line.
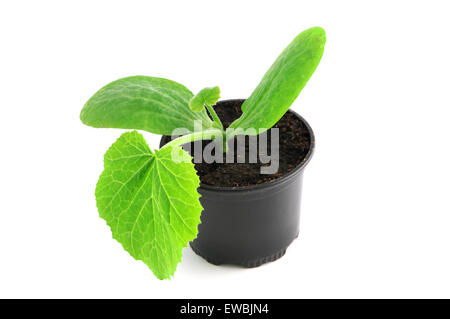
x=150, y=201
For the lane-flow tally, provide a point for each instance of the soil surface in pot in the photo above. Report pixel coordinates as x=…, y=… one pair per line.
x=294, y=143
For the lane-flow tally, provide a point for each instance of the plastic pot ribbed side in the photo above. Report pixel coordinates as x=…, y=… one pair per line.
x=251, y=225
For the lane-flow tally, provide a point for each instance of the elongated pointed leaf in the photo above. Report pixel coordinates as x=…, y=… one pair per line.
x=149, y=201
x=283, y=82
x=146, y=103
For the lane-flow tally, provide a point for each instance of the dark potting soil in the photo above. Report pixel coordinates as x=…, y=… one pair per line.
x=294, y=143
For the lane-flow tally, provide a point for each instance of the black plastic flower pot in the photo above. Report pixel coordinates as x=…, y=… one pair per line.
x=251, y=225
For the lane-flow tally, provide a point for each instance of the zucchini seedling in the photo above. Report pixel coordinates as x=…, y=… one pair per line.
x=149, y=199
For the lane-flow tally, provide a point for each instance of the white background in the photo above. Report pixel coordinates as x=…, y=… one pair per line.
x=376, y=206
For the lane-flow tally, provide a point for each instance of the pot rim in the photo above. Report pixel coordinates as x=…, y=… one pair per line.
x=297, y=170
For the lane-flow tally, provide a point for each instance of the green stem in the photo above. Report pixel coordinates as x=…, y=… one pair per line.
x=214, y=116
x=208, y=134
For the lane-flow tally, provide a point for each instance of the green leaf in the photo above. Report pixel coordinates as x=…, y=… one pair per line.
x=283, y=82
x=149, y=201
x=146, y=103
x=207, y=96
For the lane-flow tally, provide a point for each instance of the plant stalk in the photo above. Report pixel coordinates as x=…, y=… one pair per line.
x=215, y=117
x=209, y=134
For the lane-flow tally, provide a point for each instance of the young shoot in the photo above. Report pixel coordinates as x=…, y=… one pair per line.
x=149, y=200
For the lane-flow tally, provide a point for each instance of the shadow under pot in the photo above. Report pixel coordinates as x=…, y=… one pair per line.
x=250, y=218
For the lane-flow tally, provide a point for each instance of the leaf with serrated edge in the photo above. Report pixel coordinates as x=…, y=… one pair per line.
x=150, y=201
x=283, y=82
x=152, y=104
